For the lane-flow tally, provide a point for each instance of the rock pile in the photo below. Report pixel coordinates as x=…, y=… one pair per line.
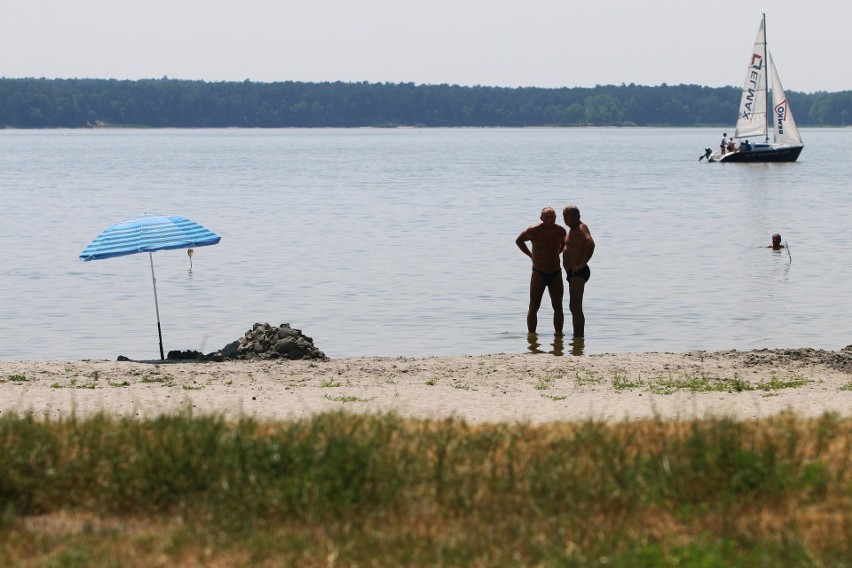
x=262, y=341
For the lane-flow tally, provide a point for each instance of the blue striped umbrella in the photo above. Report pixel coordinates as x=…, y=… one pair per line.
x=149, y=233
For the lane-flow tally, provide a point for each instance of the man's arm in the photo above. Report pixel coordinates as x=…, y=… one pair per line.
x=589, y=249
x=521, y=241
x=586, y=246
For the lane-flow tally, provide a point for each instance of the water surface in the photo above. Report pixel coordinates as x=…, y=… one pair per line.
x=401, y=242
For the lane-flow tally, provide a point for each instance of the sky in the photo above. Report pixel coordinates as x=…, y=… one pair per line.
x=506, y=43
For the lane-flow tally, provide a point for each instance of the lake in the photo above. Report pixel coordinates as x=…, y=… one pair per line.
x=400, y=242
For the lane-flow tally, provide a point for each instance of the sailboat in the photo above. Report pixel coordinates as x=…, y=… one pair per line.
x=753, y=118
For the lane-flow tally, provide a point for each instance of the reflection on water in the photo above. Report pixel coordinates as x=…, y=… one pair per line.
x=557, y=347
x=533, y=344
x=578, y=346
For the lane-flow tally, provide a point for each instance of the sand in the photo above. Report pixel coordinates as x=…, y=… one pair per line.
x=530, y=387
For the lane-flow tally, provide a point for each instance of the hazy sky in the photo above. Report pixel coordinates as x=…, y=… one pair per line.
x=544, y=43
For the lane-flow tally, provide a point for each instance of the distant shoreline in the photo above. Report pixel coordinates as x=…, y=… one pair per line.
x=175, y=103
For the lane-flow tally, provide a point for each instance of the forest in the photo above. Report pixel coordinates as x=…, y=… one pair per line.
x=174, y=103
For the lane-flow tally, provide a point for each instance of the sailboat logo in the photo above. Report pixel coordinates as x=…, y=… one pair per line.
x=781, y=115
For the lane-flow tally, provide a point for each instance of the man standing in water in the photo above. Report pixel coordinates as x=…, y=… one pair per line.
x=547, y=238
x=576, y=253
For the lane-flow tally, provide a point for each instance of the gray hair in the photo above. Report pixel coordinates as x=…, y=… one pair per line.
x=572, y=209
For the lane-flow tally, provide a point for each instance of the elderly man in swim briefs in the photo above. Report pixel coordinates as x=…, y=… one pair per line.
x=576, y=253
x=547, y=239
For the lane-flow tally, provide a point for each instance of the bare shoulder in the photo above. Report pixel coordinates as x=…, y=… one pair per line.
x=531, y=229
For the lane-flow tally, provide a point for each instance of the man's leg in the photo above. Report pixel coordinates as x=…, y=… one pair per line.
x=536, y=292
x=557, y=293
x=576, y=287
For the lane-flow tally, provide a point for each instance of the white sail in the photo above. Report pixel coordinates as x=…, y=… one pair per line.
x=751, y=120
x=782, y=117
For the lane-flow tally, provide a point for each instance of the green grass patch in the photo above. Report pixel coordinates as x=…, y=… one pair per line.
x=349, y=489
x=621, y=382
x=587, y=378
x=546, y=382
x=329, y=383
x=775, y=383
x=698, y=383
x=703, y=383
x=165, y=380
x=347, y=398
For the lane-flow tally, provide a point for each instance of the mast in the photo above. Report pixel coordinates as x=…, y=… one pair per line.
x=766, y=80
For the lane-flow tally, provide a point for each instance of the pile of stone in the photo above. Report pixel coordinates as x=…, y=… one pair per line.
x=262, y=341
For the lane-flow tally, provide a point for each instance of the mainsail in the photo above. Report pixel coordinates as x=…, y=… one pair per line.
x=782, y=117
x=751, y=120
x=758, y=116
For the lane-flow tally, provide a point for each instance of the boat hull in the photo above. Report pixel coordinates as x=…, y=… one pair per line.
x=777, y=154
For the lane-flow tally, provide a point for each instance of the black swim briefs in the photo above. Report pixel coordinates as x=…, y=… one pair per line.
x=583, y=273
x=547, y=276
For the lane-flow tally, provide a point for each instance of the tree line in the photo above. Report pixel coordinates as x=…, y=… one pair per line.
x=81, y=103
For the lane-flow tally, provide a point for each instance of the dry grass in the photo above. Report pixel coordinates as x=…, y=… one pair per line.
x=350, y=490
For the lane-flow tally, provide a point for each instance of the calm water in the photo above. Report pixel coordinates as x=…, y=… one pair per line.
x=401, y=242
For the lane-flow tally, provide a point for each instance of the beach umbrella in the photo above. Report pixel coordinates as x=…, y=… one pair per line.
x=149, y=233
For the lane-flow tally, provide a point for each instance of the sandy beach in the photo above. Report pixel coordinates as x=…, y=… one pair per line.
x=479, y=389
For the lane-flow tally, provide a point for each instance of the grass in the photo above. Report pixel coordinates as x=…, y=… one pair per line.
x=14, y=379
x=588, y=378
x=345, y=489
x=546, y=381
x=165, y=380
x=699, y=383
x=621, y=382
x=347, y=398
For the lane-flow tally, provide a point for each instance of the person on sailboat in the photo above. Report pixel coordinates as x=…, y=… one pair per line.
x=724, y=143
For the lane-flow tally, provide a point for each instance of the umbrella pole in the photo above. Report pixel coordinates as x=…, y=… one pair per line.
x=156, y=305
